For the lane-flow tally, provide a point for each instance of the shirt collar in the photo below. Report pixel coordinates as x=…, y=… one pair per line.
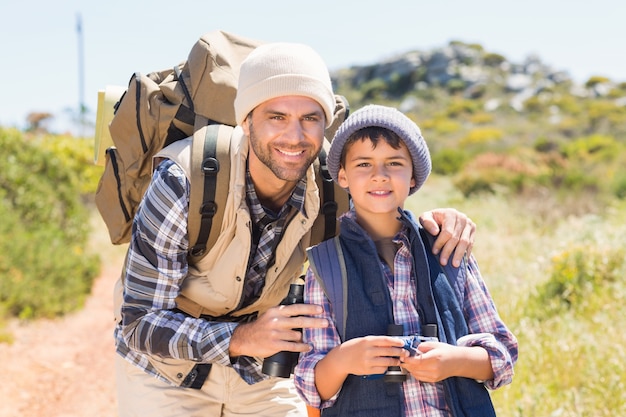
x=296, y=200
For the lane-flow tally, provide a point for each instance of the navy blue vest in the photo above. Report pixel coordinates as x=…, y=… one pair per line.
x=349, y=269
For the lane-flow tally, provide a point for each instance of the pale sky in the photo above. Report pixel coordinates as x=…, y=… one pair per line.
x=39, y=47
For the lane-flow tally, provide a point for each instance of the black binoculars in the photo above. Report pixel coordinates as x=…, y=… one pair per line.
x=397, y=373
x=282, y=364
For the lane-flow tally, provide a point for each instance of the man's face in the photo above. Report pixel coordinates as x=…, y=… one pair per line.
x=286, y=135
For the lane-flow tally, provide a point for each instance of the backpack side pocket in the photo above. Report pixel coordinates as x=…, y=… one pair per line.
x=112, y=199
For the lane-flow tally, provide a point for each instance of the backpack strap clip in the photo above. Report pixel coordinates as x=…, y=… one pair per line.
x=210, y=166
x=210, y=145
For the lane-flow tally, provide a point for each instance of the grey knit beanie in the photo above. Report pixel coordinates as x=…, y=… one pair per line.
x=388, y=118
x=283, y=69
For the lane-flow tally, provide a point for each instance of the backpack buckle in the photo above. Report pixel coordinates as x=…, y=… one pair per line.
x=197, y=250
x=210, y=166
x=208, y=209
x=329, y=207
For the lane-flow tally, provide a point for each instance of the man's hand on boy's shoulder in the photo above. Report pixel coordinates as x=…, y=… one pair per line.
x=456, y=234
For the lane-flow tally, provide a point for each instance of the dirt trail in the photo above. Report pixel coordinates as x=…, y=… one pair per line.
x=64, y=367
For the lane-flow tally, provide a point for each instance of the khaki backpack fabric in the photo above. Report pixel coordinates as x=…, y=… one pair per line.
x=166, y=106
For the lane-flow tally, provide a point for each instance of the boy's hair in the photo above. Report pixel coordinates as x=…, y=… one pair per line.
x=373, y=134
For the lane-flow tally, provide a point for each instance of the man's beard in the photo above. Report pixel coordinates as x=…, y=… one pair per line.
x=285, y=173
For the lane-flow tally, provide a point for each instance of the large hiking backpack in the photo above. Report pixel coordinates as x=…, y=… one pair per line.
x=166, y=106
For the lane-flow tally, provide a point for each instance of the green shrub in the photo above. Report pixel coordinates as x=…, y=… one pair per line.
x=604, y=116
x=458, y=107
x=455, y=86
x=490, y=172
x=471, y=185
x=441, y=125
x=544, y=145
x=592, y=163
x=579, y=273
x=595, y=80
x=535, y=105
x=44, y=270
x=400, y=84
x=481, y=118
x=619, y=186
x=568, y=105
x=42, y=273
x=77, y=155
x=575, y=179
x=448, y=161
x=481, y=136
x=373, y=89
x=493, y=60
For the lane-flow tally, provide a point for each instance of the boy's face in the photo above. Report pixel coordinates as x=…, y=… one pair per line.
x=379, y=179
x=286, y=135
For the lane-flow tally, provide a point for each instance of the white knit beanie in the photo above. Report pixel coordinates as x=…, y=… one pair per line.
x=389, y=118
x=283, y=69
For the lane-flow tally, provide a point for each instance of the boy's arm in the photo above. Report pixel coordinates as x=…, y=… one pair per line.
x=487, y=354
x=369, y=355
x=321, y=341
x=473, y=362
x=329, y=377
x=439, y=361
x=321, y=372
x=486, y=328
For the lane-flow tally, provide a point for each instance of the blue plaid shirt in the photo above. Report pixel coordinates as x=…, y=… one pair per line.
x=420, y=398
x=157, y=267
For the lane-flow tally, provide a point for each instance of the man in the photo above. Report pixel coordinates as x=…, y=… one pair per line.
x=192, y=336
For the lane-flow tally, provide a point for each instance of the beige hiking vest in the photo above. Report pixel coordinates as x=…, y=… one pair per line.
x=214, y=285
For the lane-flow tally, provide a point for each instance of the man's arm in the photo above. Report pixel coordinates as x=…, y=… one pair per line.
x=156, y=269
x=455, y=233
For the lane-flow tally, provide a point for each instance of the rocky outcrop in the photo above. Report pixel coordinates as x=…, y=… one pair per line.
x=465, y=68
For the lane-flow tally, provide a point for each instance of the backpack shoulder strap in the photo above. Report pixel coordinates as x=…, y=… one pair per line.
x=209, y=179
x=327, y=263
x=328, y=205
x=334, y=201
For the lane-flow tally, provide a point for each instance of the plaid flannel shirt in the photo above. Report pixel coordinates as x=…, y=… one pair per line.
x=157, y=267
x=420, y=398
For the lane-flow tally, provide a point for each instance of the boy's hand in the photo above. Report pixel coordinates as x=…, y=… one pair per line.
x=439, y=361
x=433, y=364
x=367, y=355
x=454, y=230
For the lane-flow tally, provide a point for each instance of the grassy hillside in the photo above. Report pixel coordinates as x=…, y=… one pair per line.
x=558, y=281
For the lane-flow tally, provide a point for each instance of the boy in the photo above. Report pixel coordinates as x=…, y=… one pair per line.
x=378, y=272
